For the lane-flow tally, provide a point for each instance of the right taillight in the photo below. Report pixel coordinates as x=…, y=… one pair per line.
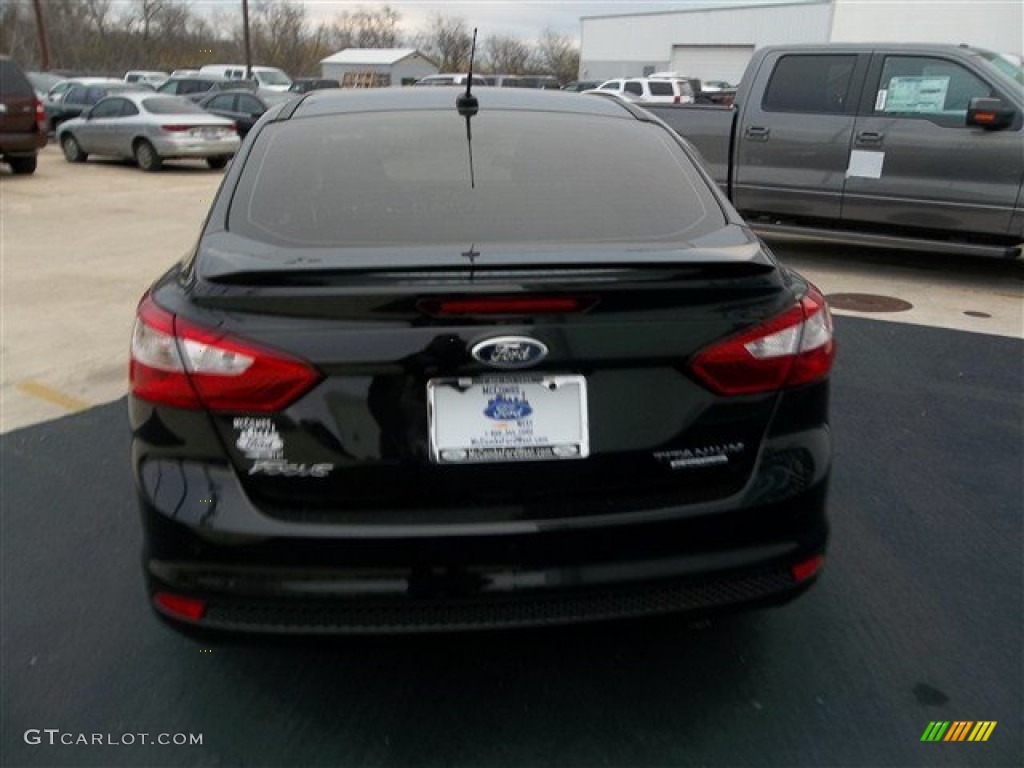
x=175, y=362
x=796, y=347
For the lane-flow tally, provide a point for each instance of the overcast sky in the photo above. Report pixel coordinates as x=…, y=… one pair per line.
x=524, y=19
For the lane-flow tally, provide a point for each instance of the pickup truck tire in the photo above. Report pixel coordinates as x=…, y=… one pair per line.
x=22, y=165
x=147, y=157
x=72, y=149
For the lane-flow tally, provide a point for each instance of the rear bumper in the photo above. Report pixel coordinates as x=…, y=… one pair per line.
x=184, y=147
x=293, y=603
x=21, y=144
x=721, y=557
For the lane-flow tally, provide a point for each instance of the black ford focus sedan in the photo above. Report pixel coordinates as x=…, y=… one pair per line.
x=440, y=362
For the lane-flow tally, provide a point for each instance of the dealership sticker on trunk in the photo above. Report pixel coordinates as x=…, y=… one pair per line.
x=508, y=418
x=258, y=438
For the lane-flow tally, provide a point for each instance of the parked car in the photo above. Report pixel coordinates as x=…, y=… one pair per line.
x=243, y=107
x=581, y=85
x=307, y=84
x=650, y=90
x=149, y=128
x=154, y=78
x=391, y=389
x=267, y=78
x=195, y=87
x=42, y=82
x=58, y=91
x=522, y=81
x=22, y=119
x=449, y=79
x=80, y=97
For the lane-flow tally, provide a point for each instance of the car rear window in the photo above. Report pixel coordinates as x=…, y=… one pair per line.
x=403, y=178
x=13, y=82
x=170, y=105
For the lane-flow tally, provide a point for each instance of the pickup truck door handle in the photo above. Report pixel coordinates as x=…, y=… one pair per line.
x=869, y=139
x=757, y=133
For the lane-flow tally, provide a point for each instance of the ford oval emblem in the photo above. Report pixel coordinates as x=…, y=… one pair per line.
x=510, y=352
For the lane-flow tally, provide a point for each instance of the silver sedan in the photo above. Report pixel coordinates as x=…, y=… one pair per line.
x=150, y=128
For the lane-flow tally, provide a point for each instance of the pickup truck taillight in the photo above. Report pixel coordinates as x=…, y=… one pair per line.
x=794, y=348
x=175, y=362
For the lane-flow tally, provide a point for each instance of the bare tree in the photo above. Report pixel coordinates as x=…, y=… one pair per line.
x=370, y=28
x=447, y=41
x=279, y=34
x=558, y=55
x=506, y=55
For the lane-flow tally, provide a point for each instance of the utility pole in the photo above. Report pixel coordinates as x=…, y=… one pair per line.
x=44, y=48
x=245, y=32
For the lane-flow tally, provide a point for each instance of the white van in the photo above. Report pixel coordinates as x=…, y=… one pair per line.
x=452, y=78
x=271, y=78
x=147, y=76
x=648, y=90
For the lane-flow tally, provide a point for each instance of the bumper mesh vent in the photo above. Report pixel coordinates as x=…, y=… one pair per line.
x=525, y=610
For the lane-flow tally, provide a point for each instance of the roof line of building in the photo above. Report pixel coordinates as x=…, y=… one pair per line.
x=718, y=8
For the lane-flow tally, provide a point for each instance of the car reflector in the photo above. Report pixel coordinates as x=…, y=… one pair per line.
x=182, y=607
x=803, y=570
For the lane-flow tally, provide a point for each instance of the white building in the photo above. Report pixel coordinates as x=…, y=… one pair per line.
x=715, y=43
x=364, y=67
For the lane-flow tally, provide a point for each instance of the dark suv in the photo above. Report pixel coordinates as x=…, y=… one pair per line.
x=22, y=119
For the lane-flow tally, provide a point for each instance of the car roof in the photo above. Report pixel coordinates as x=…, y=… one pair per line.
x=138, y=96
x=342, y=101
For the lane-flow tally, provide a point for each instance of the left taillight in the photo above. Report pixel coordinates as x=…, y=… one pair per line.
x=175, y=362
x=41, y=122
x=794, y=348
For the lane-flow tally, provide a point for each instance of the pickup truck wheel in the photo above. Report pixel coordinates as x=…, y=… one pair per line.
x=146, y=157
x=218, y=162
x=72, y=149
x=22, y=165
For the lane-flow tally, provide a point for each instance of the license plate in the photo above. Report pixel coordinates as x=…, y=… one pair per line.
x=209, y=133
x=508, y=418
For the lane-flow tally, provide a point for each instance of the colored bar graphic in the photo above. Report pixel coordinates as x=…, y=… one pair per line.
x=982, y=731
x=958, y=730
x=934, y=731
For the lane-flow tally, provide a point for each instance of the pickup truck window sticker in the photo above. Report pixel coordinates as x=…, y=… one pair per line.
x=865, y=165
x=880, y=100
x=917, y=94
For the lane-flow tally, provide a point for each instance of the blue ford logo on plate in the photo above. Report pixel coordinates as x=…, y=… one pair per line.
x=510, y=352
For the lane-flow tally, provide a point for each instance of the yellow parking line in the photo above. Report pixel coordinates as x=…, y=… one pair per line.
x=51, y=395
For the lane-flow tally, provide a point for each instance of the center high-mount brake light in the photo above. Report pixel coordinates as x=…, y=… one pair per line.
x=794, y=348
x=505, y=305
x=175, y=362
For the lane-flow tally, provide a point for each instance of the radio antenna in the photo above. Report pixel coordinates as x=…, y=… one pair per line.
x=467, y=103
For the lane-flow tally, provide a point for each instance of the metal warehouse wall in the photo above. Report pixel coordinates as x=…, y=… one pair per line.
x=994, y=24
x=624, y=45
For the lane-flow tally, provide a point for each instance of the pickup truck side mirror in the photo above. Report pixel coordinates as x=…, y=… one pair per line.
x=989, y=113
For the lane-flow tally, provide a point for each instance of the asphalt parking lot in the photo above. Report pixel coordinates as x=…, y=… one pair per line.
x=917, y=619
